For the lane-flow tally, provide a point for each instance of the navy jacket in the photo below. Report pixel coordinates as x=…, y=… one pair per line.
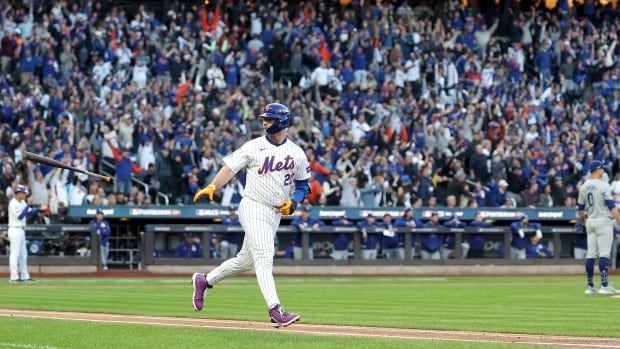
x=341, y=241
x=517, y=241
x=476, y=241
x=297, y=222
x=103, y=230
x=448, y=239
x=390, y=242
x=185, y=250
x=534, y=251
x=372, y=239
x=432, y=242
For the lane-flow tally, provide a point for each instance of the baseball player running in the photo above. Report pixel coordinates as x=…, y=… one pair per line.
x=596, y=207
x=276, y=167
x=18, y=211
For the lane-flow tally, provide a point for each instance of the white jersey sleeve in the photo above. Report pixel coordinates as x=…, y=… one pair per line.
x=15, y=210
x=239, y=159
x=302, y=170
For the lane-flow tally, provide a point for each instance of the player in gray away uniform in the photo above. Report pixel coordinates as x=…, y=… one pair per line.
x=596, y=207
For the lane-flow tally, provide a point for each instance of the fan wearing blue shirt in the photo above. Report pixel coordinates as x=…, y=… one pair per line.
x=369, y=240
x=341, y=240
x=305, y=223
x=519, y=241
x=432, y=242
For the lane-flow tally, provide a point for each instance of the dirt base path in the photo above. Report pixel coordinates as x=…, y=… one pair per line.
x=328, y=330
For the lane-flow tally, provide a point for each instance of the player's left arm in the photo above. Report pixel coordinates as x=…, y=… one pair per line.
x=581, y=205
x=233, y=163
x=302, y=188
x=611, y=204
x=224, y=175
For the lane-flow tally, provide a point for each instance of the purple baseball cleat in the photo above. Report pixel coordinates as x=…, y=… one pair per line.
x=280, y=317
x=199, y=280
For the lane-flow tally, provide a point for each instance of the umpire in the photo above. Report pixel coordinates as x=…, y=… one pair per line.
x=596, y=207
x=18, y=211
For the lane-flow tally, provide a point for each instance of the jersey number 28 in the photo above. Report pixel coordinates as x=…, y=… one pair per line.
x=288, y=179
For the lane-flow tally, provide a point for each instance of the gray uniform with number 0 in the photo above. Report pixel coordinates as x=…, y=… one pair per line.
x=594, y=195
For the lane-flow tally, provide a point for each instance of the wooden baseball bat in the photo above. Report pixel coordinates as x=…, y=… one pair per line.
x=47, y=161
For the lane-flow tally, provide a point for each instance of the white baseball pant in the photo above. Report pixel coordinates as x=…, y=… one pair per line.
x=260, y=223
x=18, y=259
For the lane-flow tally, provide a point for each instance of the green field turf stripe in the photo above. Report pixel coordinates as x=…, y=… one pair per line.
x=544, y=305
x=65, y=334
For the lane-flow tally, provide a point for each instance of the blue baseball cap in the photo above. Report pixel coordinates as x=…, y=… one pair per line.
x=99, y=211
x=595, y=165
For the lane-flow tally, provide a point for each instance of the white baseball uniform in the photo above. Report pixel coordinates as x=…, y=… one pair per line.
x=594, y=195
x=271, y=174
x=18, y=259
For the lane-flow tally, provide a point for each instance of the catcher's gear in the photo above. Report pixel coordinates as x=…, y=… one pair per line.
x=288, y=207
x=278, y=112
x=208, y=191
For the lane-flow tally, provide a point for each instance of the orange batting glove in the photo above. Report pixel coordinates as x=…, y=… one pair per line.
x=208, y=191
x=288, y=207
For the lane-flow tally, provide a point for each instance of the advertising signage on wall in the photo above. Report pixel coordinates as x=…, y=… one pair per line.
x=326, y=213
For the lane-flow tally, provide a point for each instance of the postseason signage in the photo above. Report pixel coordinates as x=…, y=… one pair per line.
x=326, y=213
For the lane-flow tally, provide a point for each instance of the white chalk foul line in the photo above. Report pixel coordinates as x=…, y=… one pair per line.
x=26, y=346
x=306, y=329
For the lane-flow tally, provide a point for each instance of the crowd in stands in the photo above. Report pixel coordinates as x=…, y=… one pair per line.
x=394, y=105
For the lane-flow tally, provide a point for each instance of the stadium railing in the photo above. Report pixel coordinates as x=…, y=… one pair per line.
x=62, y=241
x=552, y=234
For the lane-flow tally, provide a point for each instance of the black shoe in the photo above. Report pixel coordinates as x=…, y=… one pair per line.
x=15, y=281
x=27, y=280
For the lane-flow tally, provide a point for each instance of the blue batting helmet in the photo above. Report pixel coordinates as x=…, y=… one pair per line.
x=21, y=189
x=278, y=112
x=595, y=165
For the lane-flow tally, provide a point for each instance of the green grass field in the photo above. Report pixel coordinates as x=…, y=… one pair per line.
x=535, y=305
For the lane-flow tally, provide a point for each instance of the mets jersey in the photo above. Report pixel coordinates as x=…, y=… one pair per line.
x=271, y=169
x=595, y=197
x=16, y=208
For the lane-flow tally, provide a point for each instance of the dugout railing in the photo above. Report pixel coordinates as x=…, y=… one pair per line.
x=560, y=237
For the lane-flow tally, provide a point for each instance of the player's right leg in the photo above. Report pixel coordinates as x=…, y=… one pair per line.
x=14, y=238
x=231, y=267
x=591, y=256
x=605, y=238
x=23, y=259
